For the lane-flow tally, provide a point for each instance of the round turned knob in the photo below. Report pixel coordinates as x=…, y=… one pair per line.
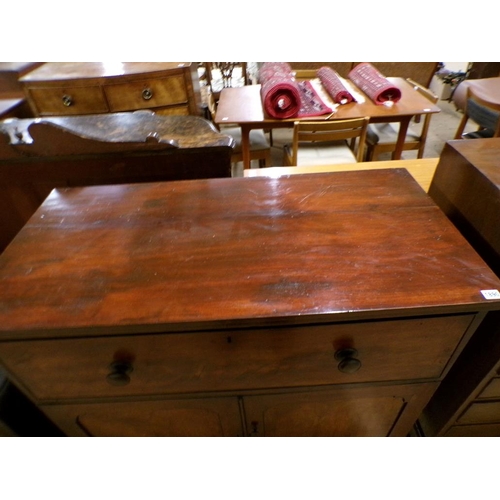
x=119, y=374
x=348, y=361
x=147, y=94
x=67, y=100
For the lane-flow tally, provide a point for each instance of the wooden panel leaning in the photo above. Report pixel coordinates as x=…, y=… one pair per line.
x=466, y=186
x=37, y=155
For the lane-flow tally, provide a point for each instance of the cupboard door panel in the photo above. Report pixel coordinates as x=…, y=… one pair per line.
x=352, y=412
x=212, y=417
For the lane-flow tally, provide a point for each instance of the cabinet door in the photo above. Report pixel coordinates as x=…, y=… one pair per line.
x=326, y=413
x=168, y=418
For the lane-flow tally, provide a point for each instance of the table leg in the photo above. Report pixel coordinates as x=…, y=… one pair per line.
x=403, y=129
x=245, y=146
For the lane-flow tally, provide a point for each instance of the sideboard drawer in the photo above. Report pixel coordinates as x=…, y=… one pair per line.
x=69, y=101
x=234, y=360
x=492, y=390
x=481, y=413
x=144, y=94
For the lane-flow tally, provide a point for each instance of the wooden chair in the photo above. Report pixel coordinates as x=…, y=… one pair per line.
x=326, y=142
x=220, y=75
x=484, y=113
x=382, y=137
x=260, y=147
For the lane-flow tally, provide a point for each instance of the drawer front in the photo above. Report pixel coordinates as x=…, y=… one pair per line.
x=492, y=390
x=173, y=110
x=481, y=413
x=234, y=360
x=69, y=101
x=147, y=94
x=479, y=430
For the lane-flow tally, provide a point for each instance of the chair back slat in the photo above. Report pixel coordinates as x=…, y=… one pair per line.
x=327, y=131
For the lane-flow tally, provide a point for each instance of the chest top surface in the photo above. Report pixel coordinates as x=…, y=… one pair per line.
x=60, y=71
x=160, y=256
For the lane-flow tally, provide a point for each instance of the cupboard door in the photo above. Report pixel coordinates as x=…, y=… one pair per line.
x=328, y=413
x=212, y=417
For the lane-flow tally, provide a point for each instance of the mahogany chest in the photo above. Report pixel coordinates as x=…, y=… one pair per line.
x=314, y=305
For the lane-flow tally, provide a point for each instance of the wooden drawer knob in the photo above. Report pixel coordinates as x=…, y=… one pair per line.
x=119, y=374
x=348, y=363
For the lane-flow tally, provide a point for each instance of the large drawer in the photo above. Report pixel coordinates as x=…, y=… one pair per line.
x=481, y=413
x=492, y=390
x=234, y=360
x=145, y=94
x=69, y=101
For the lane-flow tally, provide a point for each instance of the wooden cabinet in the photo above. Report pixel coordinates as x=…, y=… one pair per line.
x=89, y=88
x=37, y=156
x=466, y=186
x=239, y=307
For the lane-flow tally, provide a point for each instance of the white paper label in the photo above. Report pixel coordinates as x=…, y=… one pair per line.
x=491, y=294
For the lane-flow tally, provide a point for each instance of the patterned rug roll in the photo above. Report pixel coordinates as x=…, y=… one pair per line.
x=374, y=84
x=334, y=86
x=279, y=91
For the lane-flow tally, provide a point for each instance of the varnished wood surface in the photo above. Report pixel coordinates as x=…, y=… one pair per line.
x=76, y=88
x=422, y=170
x=37, y=155
x=94, y=133
x=185, y=255
x=53, y=72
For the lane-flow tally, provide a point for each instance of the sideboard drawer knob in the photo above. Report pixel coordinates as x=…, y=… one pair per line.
x=147, y=94
x=67, y=100
x=348, y=362
x=119, y=374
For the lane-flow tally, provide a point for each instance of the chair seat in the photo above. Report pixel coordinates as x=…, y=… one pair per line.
x=333, y=153
x=387, y=133
x=258, y=140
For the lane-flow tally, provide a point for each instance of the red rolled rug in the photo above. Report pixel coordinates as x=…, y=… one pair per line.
x=279, y=91
x=334, y=86
x=374, y=84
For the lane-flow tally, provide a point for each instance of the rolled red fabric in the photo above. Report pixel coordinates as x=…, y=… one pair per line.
x=334, y=86
x=374, y=84
x=279, y=91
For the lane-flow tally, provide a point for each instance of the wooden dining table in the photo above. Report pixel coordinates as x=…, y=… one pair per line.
x=243, y=106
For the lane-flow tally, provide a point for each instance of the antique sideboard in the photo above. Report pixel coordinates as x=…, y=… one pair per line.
x=79, y=88
x=315, y=305
x=466, y=186
x=37, y=155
